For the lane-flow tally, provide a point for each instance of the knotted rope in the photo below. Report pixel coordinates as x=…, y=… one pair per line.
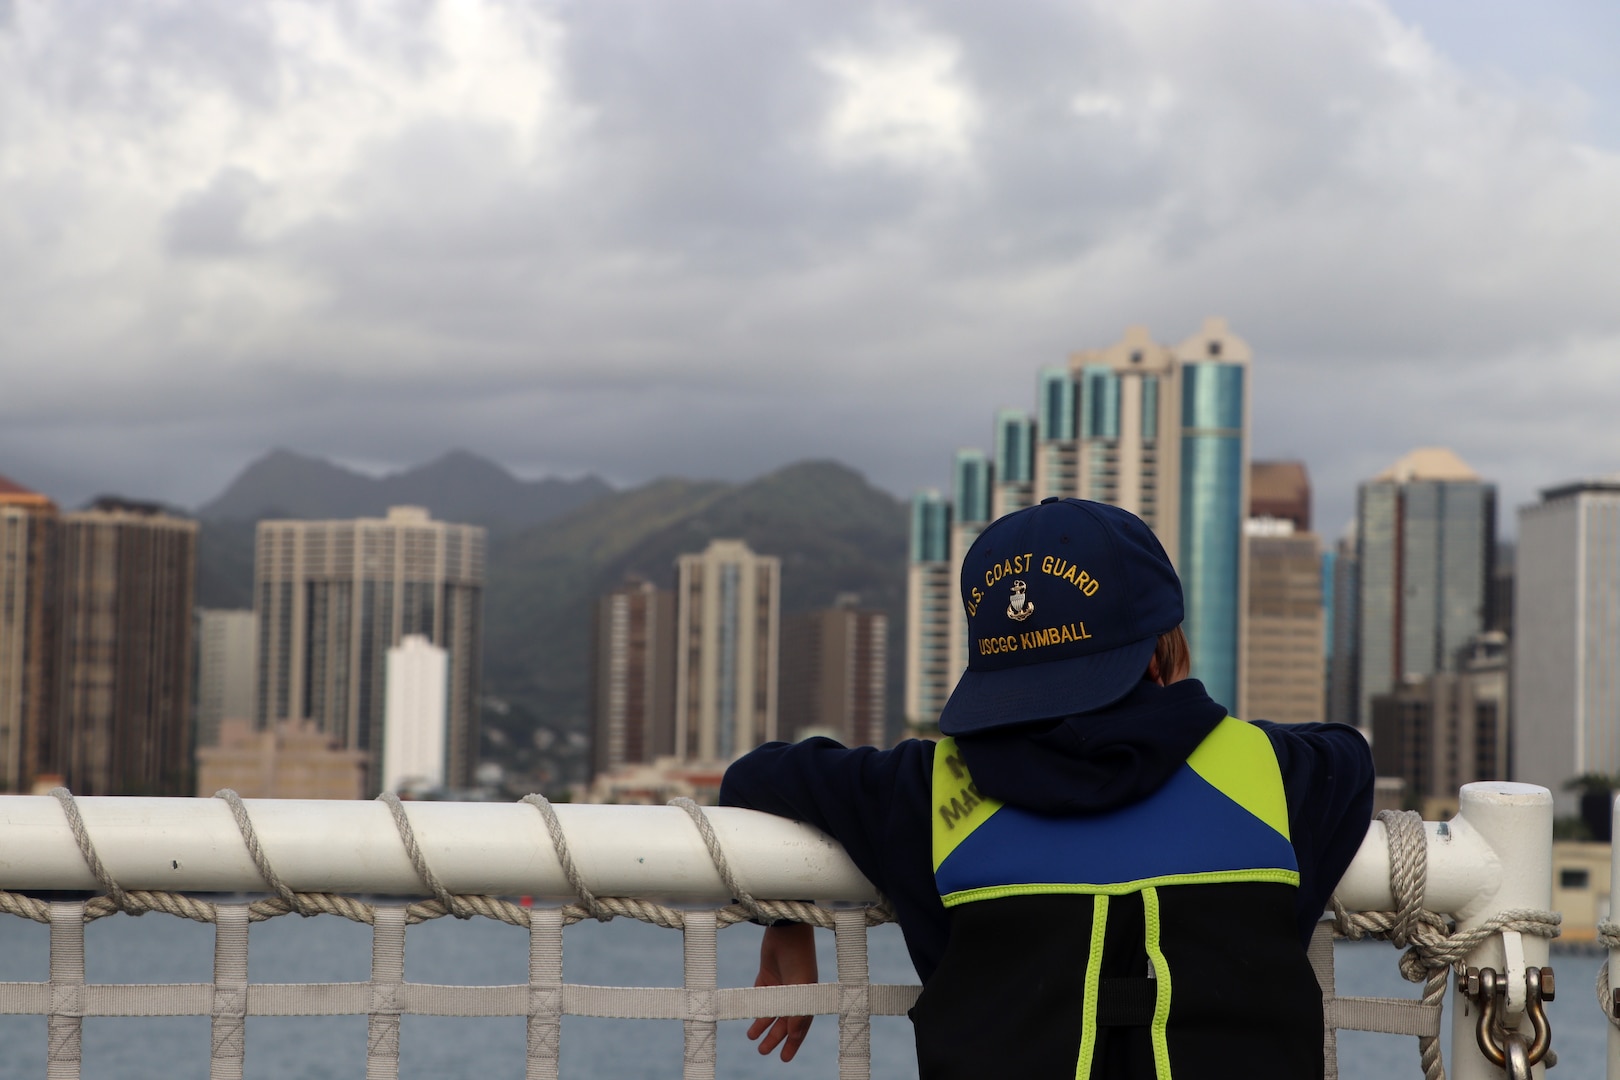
x=1608, y=935
x=1433, y=946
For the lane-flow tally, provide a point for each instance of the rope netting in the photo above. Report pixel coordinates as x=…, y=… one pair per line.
x=1433, y=946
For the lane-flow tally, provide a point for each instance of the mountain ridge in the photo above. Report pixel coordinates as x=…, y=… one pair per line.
x=457, y=486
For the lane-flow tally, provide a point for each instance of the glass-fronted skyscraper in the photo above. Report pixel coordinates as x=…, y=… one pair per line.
x=1426, y=534
x=931, y=607
x=1214, y=505
x=1161, y=431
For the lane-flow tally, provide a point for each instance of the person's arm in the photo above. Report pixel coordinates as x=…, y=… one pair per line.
x=787, y=956
x=875, y=804
x=1328, y=774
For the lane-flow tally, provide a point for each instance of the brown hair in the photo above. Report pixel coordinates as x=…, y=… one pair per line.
x=1171, y=661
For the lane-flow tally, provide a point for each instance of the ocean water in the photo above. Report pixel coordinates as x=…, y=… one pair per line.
x=159, y=948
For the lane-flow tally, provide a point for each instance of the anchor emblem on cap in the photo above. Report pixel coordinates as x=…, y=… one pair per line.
x=1020, y=607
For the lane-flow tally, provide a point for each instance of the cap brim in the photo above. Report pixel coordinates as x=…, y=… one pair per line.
x=1017, y=695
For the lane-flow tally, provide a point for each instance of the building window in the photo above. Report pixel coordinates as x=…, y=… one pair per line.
x=1572, y=879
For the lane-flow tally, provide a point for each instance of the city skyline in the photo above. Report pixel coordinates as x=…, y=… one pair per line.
x=1400, y=203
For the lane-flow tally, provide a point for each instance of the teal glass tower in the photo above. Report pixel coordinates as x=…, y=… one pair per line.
x=1214, y=504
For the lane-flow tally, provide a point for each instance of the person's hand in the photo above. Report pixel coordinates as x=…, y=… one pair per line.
x=787, y=955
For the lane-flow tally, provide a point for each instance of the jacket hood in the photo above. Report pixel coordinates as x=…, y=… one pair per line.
x=1094, y=761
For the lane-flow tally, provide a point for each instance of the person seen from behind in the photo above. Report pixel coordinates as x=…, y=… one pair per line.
x=1098, y=872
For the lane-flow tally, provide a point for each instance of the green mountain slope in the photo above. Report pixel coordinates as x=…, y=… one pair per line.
x=833, y=532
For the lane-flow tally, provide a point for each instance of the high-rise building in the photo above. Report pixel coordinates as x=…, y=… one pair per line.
x=1281, y=490
x=1566, y=647
x=1286, y=664
x=227, y=651
x=932, y=609
x=1426, y=537
x=834, y=674
x=1285, y=669
x=1161, y=431
x=634, y=660
x=414, y=715
x=1446, y=729
x=28, y=654
x=1014, y=486
x=971, y=489
x=124, y=601
x=332, y=597
x=1344, y=663
x=727, y=627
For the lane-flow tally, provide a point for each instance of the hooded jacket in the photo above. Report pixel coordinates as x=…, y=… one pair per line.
x=878, y=803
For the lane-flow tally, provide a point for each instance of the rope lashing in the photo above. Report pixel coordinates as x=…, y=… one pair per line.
x=717, y=855
x=565, y=858
x=250, y=840
x=1433, y=946
x=1608, y=936
x=81, y=836
x=424, y=873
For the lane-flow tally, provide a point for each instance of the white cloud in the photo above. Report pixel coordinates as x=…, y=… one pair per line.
x=903, y=103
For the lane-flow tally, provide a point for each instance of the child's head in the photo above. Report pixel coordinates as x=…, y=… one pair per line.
x=1068, y=605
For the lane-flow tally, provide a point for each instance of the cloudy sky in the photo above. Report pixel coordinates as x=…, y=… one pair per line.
x=709, y=237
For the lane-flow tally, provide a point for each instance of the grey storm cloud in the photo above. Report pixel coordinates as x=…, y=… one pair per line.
x=709, y=238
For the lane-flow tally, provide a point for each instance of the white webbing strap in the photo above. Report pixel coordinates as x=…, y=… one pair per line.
x=544, y=1039
x=702, y=994
x=1387, y=1016
x=854, y=1005
x=387, y=977
x=66, y=1023
x=229, y=1006
x=1321, y=956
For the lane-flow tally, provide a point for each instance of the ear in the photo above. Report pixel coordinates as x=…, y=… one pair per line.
x=1153, y=673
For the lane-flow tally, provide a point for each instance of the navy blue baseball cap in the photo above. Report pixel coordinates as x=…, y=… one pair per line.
x=1065, y=603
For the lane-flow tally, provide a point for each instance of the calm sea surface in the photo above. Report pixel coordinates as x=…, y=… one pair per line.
x=158, y=948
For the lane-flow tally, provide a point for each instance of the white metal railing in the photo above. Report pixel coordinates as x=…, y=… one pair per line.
x=1484, y=869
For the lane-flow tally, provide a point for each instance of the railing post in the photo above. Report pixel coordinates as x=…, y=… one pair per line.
x=1614, y=952
x=1516, y=821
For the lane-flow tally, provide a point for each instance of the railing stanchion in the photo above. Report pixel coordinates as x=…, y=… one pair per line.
x=1515, y=820
x=1614, y=951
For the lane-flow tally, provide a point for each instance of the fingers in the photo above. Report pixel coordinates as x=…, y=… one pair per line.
x=788, y=1032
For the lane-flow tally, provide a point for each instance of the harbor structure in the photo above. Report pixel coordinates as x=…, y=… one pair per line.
x=1425, y=541
x=332, y=597
x=227, y=655
x=28, y=534
x=414, y=712
x=633, y=706
x=1566, y=650
x=1162, y=431
x=834, y=665
x=727, y=634
x=126, y=583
